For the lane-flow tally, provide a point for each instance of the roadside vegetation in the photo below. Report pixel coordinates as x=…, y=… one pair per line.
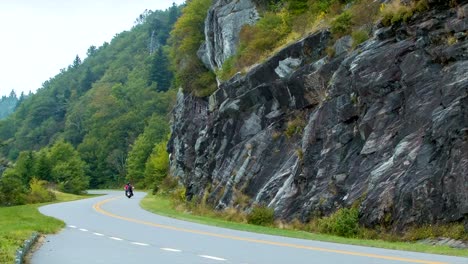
x=28, y=182
x=18, y=223
x=341, y=227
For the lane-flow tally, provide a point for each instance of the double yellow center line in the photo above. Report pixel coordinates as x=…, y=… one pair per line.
x=98, y=208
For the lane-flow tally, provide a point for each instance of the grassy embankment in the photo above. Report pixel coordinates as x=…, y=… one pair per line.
x=164, y=206
x=17, y=223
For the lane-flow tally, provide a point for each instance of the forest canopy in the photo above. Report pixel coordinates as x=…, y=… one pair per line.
x=106, y=112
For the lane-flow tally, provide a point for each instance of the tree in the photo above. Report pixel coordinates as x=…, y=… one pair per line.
x=8, y=104
x=91, y=51
x=155, y=132
x=12, y=189
x=24, y=166
x=38, y=192
x=68, y=170
x=173, y=14
x=86, y=80
x=157, y=166
x=12, y=94
x=100, y=105
x=136, y=160
x=42, y=168
x=76, y=62
x=4, y=164
x=159, y=71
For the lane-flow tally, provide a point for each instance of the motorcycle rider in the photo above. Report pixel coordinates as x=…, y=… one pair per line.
x=128, y=190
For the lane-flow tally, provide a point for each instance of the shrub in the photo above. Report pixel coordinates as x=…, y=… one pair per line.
x=451, y=40
x=322, y=5
x=341, y=25
x=300, y=154
x=12, y=190
x=205, y=84
x=260, y=39
x=261, y=215
x=39, y=192
x=232, y=214
x=297, y=6
x=157, y=166
x=359, y=37
x=330, y=51
x=402, y=15
x=178, y=195
x=365, y=13
x=241, y=200
x=275, y=135
x=75, y=185
x=396, y=11
x=295, y=126
x=169, y=184
x=304, y=23
x=228, y=69
x=454, y=231
x=421, y=6
x=344, y=222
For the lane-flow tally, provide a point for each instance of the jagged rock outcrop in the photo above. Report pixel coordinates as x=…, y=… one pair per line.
x=384, y=125
x=223, y=23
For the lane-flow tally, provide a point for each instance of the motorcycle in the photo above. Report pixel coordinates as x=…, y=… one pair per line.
x=129, y=192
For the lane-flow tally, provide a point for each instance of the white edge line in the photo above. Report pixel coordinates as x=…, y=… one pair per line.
x=171, y=249
x=98, y=234
x=211, y=257
x=140, y=244
x=116, y=238
x=84, y=230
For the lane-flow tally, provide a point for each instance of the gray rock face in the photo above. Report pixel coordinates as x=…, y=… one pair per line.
x=223, y=24
x=385, y=126
x=445, y=242
x=287, y=66
x=343, y=45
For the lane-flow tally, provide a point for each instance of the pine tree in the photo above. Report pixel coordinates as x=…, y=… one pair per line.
x=159, y=71
x=76, y=62
x=173, y=14
x=42, y=168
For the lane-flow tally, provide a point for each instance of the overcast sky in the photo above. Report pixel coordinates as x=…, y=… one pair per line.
x=40, y=37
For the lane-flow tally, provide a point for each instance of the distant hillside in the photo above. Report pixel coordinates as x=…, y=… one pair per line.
x=112, y=103
x=8, y=104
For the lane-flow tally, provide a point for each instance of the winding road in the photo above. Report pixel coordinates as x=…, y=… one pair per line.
x=114, y=229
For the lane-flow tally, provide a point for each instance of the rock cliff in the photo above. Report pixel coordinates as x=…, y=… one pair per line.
x=383, y=125
x=223, y=23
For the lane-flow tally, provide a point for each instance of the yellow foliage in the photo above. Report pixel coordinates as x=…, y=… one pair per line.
x=396, y=11
x=39, y=192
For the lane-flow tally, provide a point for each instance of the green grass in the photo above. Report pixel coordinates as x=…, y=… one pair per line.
x=163, y=206
x=17, y=223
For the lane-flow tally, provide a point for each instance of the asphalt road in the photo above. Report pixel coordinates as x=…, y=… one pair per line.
x=114, y=229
